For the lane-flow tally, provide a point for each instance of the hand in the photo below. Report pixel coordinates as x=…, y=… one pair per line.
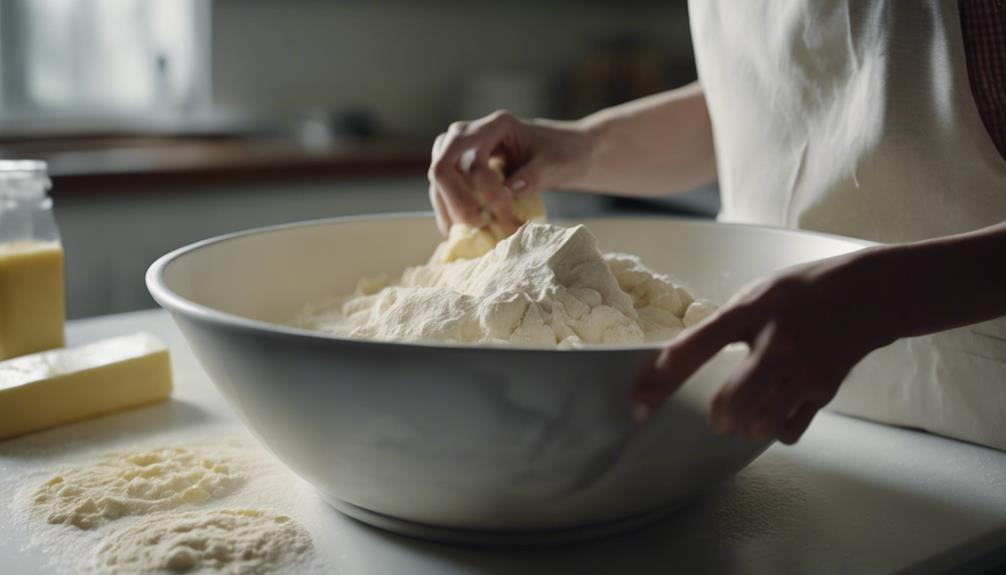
x=537, y=154
x=806, y=328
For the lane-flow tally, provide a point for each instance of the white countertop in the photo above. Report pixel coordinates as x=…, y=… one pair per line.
x=851, y=497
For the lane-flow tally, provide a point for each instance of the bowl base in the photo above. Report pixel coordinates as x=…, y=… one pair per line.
x=501, y=538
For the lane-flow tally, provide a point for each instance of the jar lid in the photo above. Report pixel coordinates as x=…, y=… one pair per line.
x=23, y=179
x=17, y=169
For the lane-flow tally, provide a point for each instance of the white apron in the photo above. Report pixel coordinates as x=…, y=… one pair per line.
x=857, y=118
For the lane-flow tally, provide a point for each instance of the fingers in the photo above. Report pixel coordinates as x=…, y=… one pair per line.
x=528, y=179
x=440, y=210
x=799, y=423
x=498, y=199
x=790, y=374
x=749, y=385
x=783, y=409
x=686, y=354
x=650, y=390
x=471, y=143
x=774, y=394
x=768, y=396
x=482, y=135
x=773, y=411
x=452, y=185
x=436, y=198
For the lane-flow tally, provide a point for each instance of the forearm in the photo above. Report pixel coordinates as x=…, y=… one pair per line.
x=654, y=146
x=934, y=285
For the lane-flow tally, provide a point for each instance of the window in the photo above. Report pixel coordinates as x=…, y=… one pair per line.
x=103, y=56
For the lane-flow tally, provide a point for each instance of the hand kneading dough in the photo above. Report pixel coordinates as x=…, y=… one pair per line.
x=465, y=242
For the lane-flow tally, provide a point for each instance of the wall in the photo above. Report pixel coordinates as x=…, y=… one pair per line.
x=110, y=240
x=410, y=60
x=277, y=58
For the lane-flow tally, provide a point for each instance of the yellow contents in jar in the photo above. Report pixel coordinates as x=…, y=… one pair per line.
x=32, y=309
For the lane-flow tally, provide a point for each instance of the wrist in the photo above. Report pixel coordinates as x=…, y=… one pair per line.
x=592, y=135
x=577, y=149
x=865, y=280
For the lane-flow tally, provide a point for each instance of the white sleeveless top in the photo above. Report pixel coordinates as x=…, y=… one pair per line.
x=857, y=118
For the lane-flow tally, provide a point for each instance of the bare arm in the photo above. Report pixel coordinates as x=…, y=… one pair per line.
x=809, y=325
x=939, y=284
x=654, y=146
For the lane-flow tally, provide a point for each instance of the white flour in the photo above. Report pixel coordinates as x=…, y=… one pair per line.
x=543, y=286
x=192, y=507
x=136, y=483
x=220, y=541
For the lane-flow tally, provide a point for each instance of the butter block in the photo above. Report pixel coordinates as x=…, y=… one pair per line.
x=60, y=386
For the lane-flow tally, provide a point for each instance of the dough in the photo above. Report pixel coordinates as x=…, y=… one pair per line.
x=468, y=242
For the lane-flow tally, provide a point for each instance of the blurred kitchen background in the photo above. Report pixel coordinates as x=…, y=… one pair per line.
x=168, y=121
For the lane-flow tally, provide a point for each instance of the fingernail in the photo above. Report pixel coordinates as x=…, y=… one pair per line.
x=641, y=412
x=517, y=185
x=467, y=159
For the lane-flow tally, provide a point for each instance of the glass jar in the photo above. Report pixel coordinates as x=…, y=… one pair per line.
x=32, y=307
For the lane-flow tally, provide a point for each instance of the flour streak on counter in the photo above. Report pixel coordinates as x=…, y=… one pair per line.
x=240, y=541
x=138, y=483
x=187, y=507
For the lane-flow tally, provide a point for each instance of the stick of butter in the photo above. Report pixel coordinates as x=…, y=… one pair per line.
x=59, y=386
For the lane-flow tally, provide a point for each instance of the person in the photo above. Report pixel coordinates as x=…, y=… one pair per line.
x=881, y=120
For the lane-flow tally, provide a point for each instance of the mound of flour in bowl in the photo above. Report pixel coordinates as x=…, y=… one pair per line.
x=545, y=285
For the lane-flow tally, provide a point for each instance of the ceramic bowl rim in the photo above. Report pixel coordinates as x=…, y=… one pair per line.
x=175, y=303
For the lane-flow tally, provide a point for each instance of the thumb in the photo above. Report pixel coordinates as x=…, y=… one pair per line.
x=529, y=178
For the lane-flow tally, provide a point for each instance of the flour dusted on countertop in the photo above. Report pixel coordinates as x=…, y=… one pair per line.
x=193, y=507
x=245, y=541
x=545, y=285
x=136, y=483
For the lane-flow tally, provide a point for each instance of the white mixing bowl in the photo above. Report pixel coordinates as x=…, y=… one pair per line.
x=462, y=442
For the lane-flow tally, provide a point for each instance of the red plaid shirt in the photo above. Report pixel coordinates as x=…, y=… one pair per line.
x=983, y=25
